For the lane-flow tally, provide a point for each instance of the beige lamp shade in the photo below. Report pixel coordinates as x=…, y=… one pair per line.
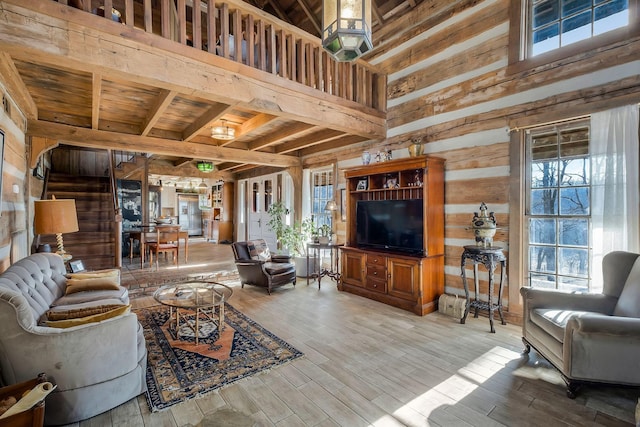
x=331, y=206
x=55, y=216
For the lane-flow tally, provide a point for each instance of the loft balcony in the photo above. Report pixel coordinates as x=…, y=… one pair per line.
x=161, y=75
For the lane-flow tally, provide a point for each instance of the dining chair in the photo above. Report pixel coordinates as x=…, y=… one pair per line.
x=167, y=240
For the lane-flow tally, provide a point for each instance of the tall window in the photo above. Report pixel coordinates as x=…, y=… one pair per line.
x=321, y=192
x=558, y=207
x=557, y=23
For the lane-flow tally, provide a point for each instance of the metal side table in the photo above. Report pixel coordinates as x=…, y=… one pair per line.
x=490, y=257
x=334, y=265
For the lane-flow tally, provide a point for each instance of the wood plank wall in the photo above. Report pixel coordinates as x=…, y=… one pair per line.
x=449, y=83
x=15, y=234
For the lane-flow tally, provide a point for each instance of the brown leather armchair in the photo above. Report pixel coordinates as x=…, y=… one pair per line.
x=589, y=337
x=266, y=270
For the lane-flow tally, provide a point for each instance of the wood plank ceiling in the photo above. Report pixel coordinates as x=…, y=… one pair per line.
x=76, y=103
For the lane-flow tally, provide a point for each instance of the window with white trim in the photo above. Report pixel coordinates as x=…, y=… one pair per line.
x=558, y=207
x=552, y=24
x=321, y=193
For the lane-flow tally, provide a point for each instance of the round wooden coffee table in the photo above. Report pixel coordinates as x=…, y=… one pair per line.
x=195, y=296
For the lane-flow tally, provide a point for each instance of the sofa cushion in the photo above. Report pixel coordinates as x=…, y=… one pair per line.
x=69, y=323
x=91, y=284
x=111, y=272
x=274, y=268
x=553, y=321
x=258, y=250
x=628, y=304
x=81, y=310
x=80, y=297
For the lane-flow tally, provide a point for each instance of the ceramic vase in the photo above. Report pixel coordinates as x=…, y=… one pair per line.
x=416, y=149
x=366, y=158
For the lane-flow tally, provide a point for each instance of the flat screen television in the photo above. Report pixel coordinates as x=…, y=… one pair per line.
x=390, y=225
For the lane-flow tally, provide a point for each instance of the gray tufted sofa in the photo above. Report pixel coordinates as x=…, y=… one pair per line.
x=96, y=366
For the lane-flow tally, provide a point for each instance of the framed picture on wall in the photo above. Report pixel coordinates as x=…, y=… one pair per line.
x=38, y=172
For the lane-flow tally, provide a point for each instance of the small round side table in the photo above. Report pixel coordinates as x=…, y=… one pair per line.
x=490, y=257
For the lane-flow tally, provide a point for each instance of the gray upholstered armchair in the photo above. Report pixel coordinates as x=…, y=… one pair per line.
x=589, y=337
x=256, y=265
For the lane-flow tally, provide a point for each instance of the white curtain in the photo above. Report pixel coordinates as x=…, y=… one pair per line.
x=615, y=184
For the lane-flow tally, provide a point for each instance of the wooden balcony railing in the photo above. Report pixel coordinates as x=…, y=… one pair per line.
x=240, y=32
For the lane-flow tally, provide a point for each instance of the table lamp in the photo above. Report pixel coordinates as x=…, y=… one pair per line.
x=56, y=216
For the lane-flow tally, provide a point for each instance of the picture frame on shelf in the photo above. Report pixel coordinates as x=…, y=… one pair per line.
x=391, y=183
x=363, y=184
x=76, y=266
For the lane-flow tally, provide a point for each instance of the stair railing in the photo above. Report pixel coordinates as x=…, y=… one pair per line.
x=117, y=212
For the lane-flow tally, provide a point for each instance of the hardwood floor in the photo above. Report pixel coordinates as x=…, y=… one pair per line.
x=367, y=363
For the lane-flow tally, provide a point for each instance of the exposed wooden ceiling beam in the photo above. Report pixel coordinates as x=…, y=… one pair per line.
x=312, y=17
x=183, y=161
x=164, y=99
x=275, y=137
x=83, y=137
x=252, y=124
x=308, y=140
x=16, y=87
x=192, y=72
x=281, y=13
x=332, y=145
x=376, y=13
x=203, y=121
x=96, y=98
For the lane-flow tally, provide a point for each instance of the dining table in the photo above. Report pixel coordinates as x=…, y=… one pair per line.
x=143, y=232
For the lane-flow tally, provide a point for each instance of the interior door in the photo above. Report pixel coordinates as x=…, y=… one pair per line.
x=262, y=192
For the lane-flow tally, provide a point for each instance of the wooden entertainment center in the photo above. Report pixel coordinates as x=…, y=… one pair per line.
x=409, y=282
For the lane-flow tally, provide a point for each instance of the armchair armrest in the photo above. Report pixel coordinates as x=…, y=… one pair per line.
x=597, y=347
x=594, y=323
x=70, y=355
x=249, y=262
x=551, y=298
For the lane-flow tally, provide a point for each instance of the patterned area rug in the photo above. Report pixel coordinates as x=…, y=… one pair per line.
x=178, y=369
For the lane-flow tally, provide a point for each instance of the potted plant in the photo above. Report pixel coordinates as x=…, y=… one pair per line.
x=325, y=233
x=292, y=239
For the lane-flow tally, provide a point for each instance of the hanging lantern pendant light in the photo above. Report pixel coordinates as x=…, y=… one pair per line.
x=347, y=28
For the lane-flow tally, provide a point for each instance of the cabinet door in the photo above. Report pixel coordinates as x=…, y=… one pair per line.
x=353, y=268
x=404, y=278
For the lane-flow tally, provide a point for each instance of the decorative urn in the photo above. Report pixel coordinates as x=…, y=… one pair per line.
x=484, y=226
x=415, y=149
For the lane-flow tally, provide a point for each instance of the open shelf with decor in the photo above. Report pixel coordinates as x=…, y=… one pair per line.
x=394, y=251
x=220, y=219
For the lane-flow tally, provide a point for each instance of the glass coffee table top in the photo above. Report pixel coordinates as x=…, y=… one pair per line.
x=193, y=294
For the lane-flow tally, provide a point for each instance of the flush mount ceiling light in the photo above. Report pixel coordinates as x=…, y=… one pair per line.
x=347, y=28
x=223, y=132
x=205, y=167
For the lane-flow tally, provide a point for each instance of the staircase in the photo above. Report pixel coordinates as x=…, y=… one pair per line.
x=95, y=242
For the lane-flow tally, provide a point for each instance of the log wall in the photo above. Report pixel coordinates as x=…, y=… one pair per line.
x=15, y=233
x=449, y=82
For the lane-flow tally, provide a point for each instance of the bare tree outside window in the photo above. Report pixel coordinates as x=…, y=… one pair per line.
x=559, y=207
